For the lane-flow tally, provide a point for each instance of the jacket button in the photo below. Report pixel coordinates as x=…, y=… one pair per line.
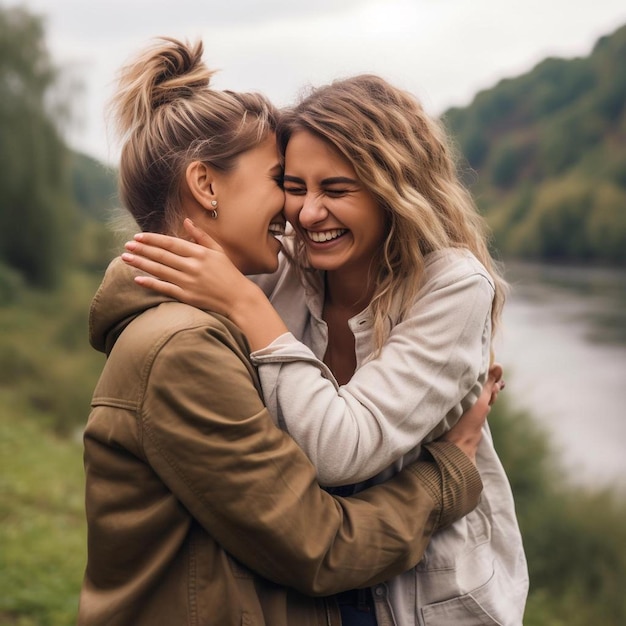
x=379, y=591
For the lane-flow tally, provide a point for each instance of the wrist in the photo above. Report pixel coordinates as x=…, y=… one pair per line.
x=256, y=317
x=461, y=482
x=468, y=444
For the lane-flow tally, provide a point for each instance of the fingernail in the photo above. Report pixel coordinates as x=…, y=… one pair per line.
x=138, y=237
x=130, y=245
x=128, y=257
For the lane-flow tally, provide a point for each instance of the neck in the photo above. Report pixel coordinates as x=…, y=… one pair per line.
x=350, y=291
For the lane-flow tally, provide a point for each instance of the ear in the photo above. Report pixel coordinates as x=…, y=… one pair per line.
x=200, y=178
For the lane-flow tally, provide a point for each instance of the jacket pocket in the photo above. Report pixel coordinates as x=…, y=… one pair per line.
x=458, y=542
x=471, y=609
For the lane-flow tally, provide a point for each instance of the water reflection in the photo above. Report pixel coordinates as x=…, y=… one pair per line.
x=597, y=296
x=563, y=344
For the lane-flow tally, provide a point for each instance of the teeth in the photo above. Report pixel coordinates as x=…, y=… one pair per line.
x=327, y=235
x=277, y=229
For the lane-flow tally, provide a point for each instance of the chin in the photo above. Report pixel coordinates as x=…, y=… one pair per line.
x=271, y=267
x=265, y=267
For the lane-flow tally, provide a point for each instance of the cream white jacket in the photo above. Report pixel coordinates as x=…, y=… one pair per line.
x=430, y=370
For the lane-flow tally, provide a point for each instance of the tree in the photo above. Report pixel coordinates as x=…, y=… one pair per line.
x=36, y=206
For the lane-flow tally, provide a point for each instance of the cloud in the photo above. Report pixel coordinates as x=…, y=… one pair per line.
x=444, y=51
x=122, y=18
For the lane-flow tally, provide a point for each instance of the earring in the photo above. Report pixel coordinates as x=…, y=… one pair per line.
x=213, y=211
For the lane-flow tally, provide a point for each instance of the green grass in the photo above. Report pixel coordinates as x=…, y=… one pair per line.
x=42, y=526
x=45, y=357
x=47, y=374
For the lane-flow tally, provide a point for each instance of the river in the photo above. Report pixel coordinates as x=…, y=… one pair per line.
x=563, y=345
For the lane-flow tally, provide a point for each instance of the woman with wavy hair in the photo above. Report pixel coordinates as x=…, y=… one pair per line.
x=379, y=325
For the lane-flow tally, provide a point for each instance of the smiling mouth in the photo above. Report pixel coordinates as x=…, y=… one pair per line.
x=277, y=229
x=326, y=235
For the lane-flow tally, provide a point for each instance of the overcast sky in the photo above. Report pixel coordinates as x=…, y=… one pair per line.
x=444, y=51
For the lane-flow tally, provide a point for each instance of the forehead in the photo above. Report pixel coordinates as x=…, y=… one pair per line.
x=268, y=147
x=264, y=155
x=307, y=151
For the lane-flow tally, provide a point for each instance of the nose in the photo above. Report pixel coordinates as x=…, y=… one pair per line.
x=313, y=210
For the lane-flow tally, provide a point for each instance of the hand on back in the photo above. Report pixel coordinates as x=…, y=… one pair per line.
x=467, y=432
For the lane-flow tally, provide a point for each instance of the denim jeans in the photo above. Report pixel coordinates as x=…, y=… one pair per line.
x=357, y=608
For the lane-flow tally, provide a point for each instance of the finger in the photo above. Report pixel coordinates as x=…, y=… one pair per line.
x=167, y=289
x=497, y=388
x=166, y=242
x=489, y=385
x=496, y=372
x=159, y=255
x=157, y=269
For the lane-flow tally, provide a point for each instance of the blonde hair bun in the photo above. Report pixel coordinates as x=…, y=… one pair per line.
x=163, y=73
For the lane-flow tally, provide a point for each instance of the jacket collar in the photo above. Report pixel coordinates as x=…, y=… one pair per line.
x=118, y=301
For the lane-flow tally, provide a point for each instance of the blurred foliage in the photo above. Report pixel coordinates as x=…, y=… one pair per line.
x=45, y=359
x=575, y=538
x=42, y=521
x=37, y=210
x=549, y=151
x=42, y=183
x=94, y=186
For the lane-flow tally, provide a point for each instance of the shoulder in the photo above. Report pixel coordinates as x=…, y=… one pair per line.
x=454, y=265
x=180, y=347
x=173, y=324
x=172, y=317
x=169, y=346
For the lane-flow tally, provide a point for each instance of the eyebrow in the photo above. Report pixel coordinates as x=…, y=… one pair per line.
x=336, y=180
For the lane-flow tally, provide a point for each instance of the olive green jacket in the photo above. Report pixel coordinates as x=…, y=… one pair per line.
x=200, y=510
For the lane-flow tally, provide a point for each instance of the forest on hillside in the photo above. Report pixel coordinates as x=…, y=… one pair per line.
x=545, y=157
x=55, y=243
x=53, y=201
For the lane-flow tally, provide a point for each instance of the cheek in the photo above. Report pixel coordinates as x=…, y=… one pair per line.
x=279, y=195
x=292, y=208
x=271, y=201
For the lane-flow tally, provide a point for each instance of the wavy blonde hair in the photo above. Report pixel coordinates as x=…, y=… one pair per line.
x=404, y=159
x=166, y=116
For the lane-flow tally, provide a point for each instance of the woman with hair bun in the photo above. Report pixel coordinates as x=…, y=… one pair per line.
x=199, y=509
x=382, y=327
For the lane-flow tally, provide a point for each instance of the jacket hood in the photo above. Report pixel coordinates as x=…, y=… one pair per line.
x=118, y=301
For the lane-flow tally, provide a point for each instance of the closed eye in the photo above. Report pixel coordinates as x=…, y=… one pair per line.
x=294, y=191
x=336, y=193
